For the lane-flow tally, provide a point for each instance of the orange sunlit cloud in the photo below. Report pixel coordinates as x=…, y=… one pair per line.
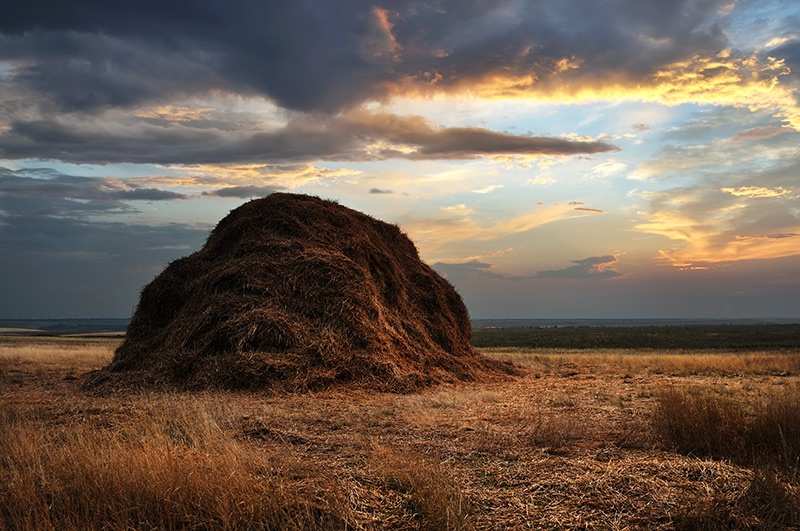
x=382, y=42
x=487, y=254
x=436, y=236
x=177, y=113
x=700, y=252
x=766, y=236
x=289, y=176
x=710, y=241
x=597, y=267
x=741, y=81
x=757, y=191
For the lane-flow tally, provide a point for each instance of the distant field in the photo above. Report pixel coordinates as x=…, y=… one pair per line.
x=63, y=326
x=699, y=337
x=625, y=323
x=737, y=334
x=588, y=438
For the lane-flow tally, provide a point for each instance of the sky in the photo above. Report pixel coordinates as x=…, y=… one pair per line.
x=551, y=158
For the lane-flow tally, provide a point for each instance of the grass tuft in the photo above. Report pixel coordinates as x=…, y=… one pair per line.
x=761, y=431
x=427, y=487
x=768, y=503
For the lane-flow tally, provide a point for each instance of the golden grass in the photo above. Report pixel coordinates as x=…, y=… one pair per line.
x=673, y=363
x=766, y=503
x=574, y=444
x=429, y=493
x=44, y=359
x=178, y=468
x=57, y=355
x=760, y=430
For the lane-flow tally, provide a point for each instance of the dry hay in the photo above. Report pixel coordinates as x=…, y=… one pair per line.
x=295, y=292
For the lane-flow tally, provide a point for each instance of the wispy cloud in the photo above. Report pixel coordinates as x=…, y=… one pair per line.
x=708, y=226
x=242, y=192
x=540, y=180
x=760, y=133
x=460, y=209
x=766, y=236
x=736, y=197
x=701, y=146
x=607, y=169
x=463, y=226
x=487, y=189
x=757, y=191
x=595, y=267
x=457, y=272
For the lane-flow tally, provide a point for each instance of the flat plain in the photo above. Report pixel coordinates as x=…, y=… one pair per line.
x=617, y=436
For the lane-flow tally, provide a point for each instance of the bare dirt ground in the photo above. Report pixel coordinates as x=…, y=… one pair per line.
x=569, y=445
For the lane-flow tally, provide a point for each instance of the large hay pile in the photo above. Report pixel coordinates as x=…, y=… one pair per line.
x=294, y=292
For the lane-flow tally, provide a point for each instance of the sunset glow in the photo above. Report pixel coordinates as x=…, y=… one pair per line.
x=552, y=159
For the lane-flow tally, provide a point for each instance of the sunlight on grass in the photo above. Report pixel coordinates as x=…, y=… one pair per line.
x=63, y=354
x=657, y=439
x=180, y=468
x=428, y=490
x=761, y=430
x=677, y=363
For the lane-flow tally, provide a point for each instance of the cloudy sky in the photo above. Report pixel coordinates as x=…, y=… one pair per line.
x=552, y=158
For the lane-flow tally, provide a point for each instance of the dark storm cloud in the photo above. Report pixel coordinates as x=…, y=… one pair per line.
x=351, y=137
x=89, y=73
x=146, y=194
x=52, y=245
x=60, y=266
x=594, y=267
x=51, y=237
x=790, y=53
x=76, y=76
x=48, y=192
x=463, y=142
x=91, y=54
x=112, y=143
x=304, y=55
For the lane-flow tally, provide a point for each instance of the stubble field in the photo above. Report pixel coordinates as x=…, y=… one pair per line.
x=612, y=438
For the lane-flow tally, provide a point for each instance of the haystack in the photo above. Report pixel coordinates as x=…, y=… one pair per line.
x=295, y=292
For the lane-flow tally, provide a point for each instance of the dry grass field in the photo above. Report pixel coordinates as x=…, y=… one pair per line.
x=586, y=439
